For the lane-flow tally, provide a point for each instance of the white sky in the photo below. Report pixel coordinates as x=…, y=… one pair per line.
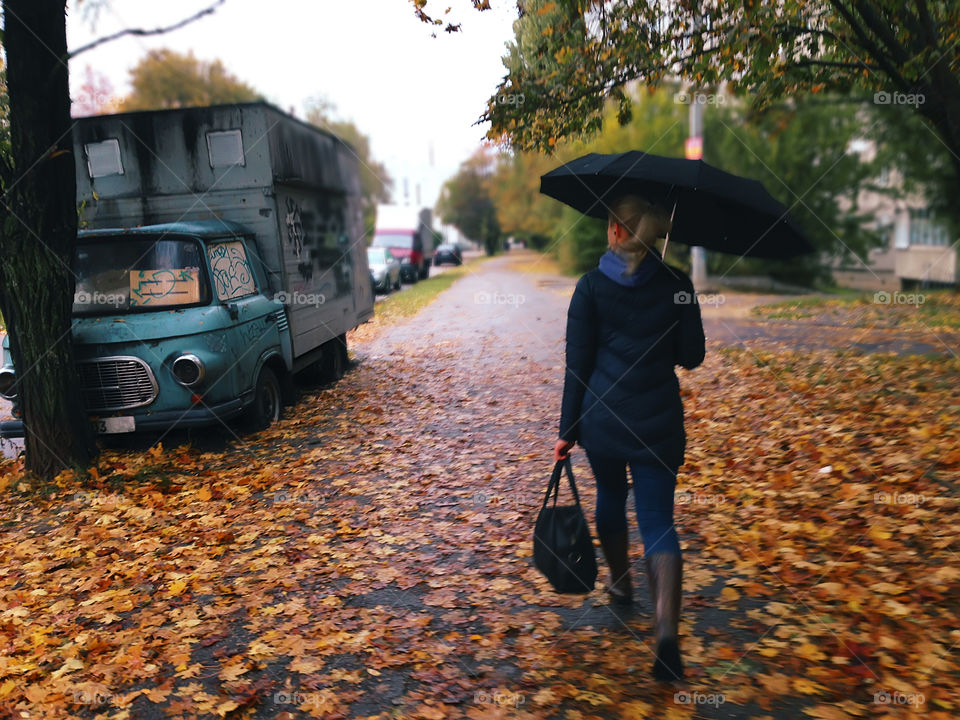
x=372, y=58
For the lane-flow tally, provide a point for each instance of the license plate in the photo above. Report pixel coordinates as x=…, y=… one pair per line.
x=114, y=425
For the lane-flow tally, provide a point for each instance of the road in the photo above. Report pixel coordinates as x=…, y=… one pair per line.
x=370, y=555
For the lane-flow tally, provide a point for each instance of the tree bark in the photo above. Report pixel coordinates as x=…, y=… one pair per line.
x=37, y=237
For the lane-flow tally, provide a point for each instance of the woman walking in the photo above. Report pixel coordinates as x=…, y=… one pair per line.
x=630, y=322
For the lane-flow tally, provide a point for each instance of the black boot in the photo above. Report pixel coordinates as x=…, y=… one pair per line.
x=665, y=575
x=616, y=552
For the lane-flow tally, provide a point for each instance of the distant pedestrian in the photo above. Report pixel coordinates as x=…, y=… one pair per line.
x=630, y=322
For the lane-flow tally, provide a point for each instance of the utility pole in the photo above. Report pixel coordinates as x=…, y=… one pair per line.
x=694, y=151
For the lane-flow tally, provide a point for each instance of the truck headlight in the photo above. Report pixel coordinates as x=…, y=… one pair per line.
x=8, y=383
x=188, y=370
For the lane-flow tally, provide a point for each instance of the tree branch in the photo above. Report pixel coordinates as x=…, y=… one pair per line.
x=868, y=44
x=880, y=27
x=799, y=30
x=140, y=32
x=932, y=36
x=859, y=65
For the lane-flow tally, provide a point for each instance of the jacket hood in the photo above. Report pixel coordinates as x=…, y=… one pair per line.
x=615, y=267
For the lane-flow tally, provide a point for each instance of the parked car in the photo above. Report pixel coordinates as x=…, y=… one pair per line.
x=384, y=269
x=447, y=253
x=408, y=234
x=187, y=313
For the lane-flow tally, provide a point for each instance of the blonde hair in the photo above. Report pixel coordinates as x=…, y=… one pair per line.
x=645, y=223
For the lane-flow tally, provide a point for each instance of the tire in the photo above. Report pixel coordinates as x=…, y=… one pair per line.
x=267, y=401
x=335, y=359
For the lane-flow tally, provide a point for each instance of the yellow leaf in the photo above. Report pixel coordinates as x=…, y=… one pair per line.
x=69, y=666
x=204, y=494
x=826, y=712
x=157, y=694
x=807, y=687
x=177, y=587
x=228, y=706
x=232, y=672
x=728, y=593
x=636, y=710
x=35, y=694
x=810, y=651
x=306, y=666
x=777, y=684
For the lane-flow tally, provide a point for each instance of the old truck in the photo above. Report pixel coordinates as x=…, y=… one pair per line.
x=221, y=252
x=408, y=233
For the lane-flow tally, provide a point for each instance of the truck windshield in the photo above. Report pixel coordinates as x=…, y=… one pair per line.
x=117, y=275
x=393, y=240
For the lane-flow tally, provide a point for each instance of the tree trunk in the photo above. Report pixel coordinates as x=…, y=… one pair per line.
x=942, y=107
x=37, y=237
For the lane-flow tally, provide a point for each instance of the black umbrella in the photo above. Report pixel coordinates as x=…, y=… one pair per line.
x=710, y=207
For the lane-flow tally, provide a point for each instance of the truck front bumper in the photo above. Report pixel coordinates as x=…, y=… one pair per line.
x=168, y=419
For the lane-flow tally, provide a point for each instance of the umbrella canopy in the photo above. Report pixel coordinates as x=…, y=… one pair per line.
x=711, y=208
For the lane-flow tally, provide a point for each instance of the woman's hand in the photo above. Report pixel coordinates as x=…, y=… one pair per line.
x=562, y=449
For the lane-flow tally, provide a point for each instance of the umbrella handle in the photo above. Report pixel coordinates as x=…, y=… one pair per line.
x=663, y=252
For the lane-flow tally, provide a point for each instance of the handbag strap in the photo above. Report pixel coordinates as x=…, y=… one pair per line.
x=554, y=485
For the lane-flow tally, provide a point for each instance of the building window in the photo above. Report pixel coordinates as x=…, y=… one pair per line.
x=925, y=230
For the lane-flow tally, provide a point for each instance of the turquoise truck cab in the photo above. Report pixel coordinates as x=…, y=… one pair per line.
x=194, y=305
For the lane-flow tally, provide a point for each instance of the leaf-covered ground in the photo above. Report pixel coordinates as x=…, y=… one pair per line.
x=924, y=310
x=370, y=556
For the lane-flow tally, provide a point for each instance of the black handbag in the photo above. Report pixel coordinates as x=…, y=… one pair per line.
x=562, y=548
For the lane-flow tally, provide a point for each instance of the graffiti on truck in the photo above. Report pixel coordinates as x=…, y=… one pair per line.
x=173, y=286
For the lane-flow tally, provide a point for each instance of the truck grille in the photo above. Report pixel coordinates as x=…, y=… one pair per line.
x=116, y=383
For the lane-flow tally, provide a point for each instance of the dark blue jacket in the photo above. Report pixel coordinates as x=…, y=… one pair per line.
x=621, y=398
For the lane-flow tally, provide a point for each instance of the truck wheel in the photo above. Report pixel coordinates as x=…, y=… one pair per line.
x=335, y=359
x=267, y=401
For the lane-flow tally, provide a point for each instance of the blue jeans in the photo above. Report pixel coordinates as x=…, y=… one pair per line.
x=653, y=487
